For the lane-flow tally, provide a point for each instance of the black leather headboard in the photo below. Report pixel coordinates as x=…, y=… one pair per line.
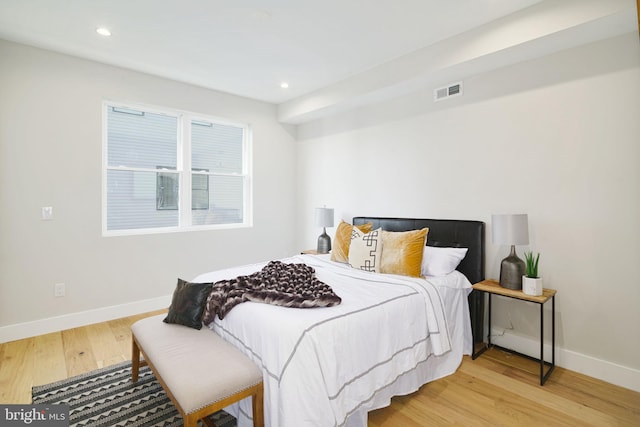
x=445, y=233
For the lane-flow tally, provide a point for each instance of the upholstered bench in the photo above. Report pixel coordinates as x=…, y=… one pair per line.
x=201, y=372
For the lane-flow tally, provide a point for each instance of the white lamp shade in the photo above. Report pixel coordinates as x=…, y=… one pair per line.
x=510, y=229
x=324, y=217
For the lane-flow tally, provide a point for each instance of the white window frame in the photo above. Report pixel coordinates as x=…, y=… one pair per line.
x=183, y=168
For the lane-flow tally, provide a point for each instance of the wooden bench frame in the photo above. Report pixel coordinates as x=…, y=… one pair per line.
x=191, y=420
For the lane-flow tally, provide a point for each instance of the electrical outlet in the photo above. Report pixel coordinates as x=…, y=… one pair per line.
x=58, y=290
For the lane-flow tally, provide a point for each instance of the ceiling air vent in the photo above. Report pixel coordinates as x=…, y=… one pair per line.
x=453, y=89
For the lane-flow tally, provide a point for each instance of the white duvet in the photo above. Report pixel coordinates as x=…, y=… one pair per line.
x=330, y=366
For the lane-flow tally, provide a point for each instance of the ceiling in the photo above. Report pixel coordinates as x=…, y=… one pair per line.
x=332, y=53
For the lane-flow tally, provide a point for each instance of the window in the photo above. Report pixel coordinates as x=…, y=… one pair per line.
x=173, y=170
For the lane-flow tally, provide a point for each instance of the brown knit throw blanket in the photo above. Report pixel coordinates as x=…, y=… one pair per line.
x=278, y=283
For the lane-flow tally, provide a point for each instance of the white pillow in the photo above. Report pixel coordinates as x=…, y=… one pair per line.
x=441, y=261
x=365, y=250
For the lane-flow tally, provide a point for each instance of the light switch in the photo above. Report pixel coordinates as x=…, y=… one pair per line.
x=47, y=213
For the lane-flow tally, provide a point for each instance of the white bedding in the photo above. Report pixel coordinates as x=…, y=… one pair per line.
x=330, y=366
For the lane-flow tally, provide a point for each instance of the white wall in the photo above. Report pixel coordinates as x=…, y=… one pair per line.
x=557, y=138
x=50, y=155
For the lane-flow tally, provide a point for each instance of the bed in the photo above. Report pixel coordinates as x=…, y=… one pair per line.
x=390, y=334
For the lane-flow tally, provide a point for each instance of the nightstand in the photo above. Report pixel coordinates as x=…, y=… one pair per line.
x=491, y=287
x=310, y=252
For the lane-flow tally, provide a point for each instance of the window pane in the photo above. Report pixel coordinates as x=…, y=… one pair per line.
x=216, y=147
x=138, y=139
x=225, y=206
x=132, y=201
x=199, y=190
x=167, y=190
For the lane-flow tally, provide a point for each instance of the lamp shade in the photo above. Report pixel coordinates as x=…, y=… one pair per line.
x=324, y=217
x=510, y=229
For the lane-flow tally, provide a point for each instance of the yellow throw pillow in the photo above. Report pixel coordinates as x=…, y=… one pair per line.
x=402, y=252
x=342, y=240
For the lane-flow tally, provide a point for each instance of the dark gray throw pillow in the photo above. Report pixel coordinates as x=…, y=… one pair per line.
x=187, y=304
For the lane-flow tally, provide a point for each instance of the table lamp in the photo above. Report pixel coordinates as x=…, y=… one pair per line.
x=511, y=230
x=324, y=219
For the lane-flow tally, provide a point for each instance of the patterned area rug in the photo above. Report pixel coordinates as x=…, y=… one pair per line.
x=107, y=397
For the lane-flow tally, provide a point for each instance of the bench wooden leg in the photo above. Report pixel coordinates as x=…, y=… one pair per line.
x=257, y=403
x=190, y=420
x=208, y=422
x=135, y=360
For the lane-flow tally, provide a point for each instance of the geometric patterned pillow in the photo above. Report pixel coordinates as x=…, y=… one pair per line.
x=187, y=304
x=365, y=250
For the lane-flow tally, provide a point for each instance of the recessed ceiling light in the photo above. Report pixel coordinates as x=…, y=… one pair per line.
x=284, y=85
x=103, y=31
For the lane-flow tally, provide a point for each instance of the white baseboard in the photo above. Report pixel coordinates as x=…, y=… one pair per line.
x=613, y=373
x=83, y=318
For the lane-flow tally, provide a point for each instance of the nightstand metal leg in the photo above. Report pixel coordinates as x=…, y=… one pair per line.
x=489, y=325
x=544, y=376
x=553, y=331
x=541, y=344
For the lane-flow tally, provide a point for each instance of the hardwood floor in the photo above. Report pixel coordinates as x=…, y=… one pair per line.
x=496, y=389
x=59, y=355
